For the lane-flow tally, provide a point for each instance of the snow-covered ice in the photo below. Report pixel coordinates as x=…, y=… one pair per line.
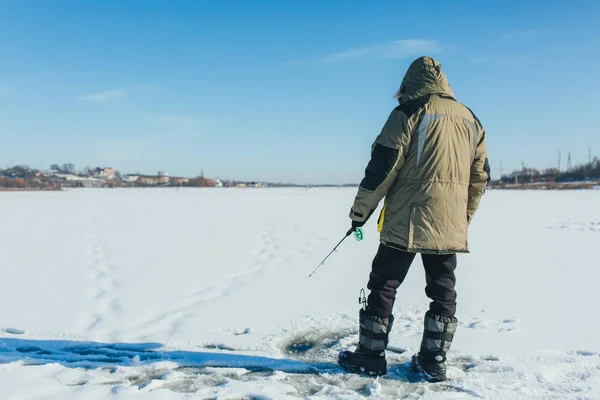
x=171, y=294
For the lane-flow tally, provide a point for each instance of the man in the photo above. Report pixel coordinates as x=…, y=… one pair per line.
x=430, y=163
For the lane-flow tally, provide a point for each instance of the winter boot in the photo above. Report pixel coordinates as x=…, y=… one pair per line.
x=437, y=339
x=369, y=357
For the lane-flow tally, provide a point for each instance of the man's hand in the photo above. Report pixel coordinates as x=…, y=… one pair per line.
x=360, y=224
x=357, y=224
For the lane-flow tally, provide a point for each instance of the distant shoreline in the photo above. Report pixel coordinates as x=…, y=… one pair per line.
x=523, y=187
x=30, y=189
x=548, y=186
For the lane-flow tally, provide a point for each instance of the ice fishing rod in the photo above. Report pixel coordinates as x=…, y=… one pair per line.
x=358, y=235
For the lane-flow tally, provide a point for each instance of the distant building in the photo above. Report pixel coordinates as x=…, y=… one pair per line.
x=130, y=179
x=149, y=180
x=71, y=180
x=104, y=172
x=178, y=181
x=163, y=177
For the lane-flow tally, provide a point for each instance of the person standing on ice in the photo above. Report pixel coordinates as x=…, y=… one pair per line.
x=430, y=164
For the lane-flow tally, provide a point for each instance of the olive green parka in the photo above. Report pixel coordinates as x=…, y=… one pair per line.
x=429, y=163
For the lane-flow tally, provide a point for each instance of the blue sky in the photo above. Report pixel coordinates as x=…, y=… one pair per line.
x=285, y=90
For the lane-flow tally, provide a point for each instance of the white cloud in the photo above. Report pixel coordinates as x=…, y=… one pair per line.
x=176, y=121
x=116, y=94
x=144, y=88
x=106, y=95
x=393, y=49
x=519, y=33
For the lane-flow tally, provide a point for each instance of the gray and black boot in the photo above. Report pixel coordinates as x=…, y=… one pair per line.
x=369, y=357
x=437, y=339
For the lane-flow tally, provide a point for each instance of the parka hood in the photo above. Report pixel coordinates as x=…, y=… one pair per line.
x=424, y=77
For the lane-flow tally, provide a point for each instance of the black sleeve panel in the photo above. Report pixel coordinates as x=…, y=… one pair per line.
x=412, y=106
x=382, y=161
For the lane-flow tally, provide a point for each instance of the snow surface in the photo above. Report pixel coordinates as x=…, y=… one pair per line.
x=171, y=294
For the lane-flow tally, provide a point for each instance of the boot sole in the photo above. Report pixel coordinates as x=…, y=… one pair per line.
x=430, y=378
x=359, y=370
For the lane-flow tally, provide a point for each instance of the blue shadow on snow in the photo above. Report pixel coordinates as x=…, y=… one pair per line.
x=91, y=355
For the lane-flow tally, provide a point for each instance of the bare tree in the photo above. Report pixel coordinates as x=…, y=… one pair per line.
x=68, y=168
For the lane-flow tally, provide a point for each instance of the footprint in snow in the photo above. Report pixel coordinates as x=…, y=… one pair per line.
x=589, y=226
x=506, y=325
x=586, y=353
x=13, y=331
x=242, y=332
x=105, y=287
x=217, y=346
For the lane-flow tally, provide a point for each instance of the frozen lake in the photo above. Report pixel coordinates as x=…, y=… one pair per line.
x=205, y=291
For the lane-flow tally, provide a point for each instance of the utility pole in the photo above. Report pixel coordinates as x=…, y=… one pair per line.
x=559, y=159
x=569, y=163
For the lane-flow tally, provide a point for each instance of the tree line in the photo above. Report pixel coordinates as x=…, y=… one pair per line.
x=583, y=172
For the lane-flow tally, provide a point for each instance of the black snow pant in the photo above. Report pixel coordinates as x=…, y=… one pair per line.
x=390, y=267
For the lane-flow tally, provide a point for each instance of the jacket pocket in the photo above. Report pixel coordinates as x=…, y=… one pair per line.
x=426, y=231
